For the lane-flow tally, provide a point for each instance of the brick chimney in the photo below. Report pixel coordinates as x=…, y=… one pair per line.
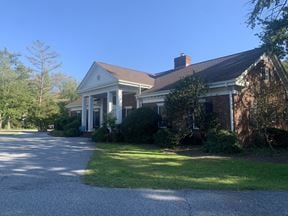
x=182, y=61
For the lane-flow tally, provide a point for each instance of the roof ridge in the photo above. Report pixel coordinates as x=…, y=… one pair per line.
x=205, y=61
x=124, y=68
x=230, y=55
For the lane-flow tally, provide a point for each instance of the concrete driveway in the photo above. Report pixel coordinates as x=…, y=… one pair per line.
x=40, y=175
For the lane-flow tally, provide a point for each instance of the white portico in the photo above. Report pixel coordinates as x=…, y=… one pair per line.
x=109, y=90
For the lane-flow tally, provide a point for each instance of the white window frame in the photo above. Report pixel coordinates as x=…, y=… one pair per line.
x=158, y=112
x=126, y=110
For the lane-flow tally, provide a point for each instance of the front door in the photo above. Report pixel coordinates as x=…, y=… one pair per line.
x=96, y=118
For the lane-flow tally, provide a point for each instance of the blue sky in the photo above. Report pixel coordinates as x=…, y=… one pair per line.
x=140, y=34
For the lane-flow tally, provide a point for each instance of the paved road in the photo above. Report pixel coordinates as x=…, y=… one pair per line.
x=40, y=175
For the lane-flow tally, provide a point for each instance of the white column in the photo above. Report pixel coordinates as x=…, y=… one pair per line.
x=137, y=97
x=83, y=116
x=90, y=112
x=109, y=102
x=101, y=112
x=231, y=111
x=118, y=106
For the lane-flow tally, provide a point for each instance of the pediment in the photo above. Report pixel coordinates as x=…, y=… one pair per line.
x=95, y=78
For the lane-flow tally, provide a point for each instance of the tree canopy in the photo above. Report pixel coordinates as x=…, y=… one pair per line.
x=272, y=17
x=183, y=106
x=14, y=89
x=31, y=96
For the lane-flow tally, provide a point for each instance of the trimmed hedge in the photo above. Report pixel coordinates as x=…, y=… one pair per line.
x=140, y=126
x=101, y=135
x=221, y=141
x=67, y=126
x=165, y=138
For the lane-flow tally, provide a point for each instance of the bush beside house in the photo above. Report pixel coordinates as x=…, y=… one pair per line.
x=140, y=126
x=66, y=126
x=221, y=141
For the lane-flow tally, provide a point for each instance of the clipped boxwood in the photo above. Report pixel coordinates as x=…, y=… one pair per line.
x=166, y=138
x=72, y=132
x=221, y=141
x=140, y=126
x=101, y=135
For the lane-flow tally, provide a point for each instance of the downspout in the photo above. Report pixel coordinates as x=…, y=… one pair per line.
x=231, y=111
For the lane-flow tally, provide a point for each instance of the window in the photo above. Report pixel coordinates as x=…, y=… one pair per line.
x=161, y=111
x=126, y=111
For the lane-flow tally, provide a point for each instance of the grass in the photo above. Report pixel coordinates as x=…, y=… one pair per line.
x=142, y=166
x=12, y=132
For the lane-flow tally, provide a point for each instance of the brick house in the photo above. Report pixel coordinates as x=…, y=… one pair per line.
x=112, y=90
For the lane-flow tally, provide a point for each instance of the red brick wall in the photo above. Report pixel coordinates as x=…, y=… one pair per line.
x=129, y=100
x=221, y=107
x=243, y=102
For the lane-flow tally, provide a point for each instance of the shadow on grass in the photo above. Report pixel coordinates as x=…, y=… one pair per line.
x=116, y=166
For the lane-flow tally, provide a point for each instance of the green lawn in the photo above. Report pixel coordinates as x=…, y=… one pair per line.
x=136, y=166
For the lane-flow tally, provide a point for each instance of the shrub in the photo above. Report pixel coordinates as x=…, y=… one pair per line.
x=278, y=137
x=140, y=126
x=71, y=129
x=116, y=134
x=166, y=138
x=73, y=123
x=195, y=137
x=275, y=137
x=62, y=118
x=255, y=139
x=101, y=135
x=72, y=132
x=67, y=126
x=221, y=141
x=57, y=133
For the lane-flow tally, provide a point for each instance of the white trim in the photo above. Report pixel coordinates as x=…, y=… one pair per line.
x=90, y=112
x=226, y=83
x=109, y=102
x=153, y=94
x=161, y=97
x=119, y=103
x=239, y=79
x=219, y=84
x=231, y=111
x=83, y=115
x=128, y=83
x=126, y=108
x=78, y=106
x=90, y=71
x=158, y=107
x=101, y=112
x=153, y=99
x=98, y=88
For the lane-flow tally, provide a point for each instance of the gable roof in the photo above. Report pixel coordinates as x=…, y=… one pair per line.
x=76, y=103
x=215, y=70
x=127, y=74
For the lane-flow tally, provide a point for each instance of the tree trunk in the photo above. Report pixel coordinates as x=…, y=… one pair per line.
x=8, y=124
x=1, y=122
x=267, y=139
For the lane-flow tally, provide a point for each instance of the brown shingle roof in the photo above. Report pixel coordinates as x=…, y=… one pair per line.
x=77, y=102
x=127, y=74
x=215, y=70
